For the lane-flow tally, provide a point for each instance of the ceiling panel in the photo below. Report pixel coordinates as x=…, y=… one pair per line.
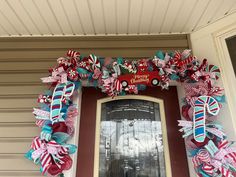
x=35, y=14
x=122, y=15
x=7, y=26
x=108, y=17
x=72, y=16
x=60, y=16
x=183, y=16
x=171, y=15
x=15, y=20
x=96, y=8
x=24, y=17
x=85, y=16
x=3, y=31
x=47, y=13
x=147, y=16
x=135, y=13
x=233, y=8
x=224, y=9
x=159, y=15
x=196, y=15
x=210, y=12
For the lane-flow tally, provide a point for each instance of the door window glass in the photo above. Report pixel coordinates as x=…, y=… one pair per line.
x=131, y=141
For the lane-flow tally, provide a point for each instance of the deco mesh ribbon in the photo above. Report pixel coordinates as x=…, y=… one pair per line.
x=48, y=152
x=216, y=160
x=207, y=144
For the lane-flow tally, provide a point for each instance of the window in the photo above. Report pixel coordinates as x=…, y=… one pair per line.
x=231, y=45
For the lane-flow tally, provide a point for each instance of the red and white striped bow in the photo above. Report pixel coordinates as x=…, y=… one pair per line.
x=175, y=60
x=214, y=160
x=185, y=62
x=47, y=153
x=93, y=60
x=85, y=64
x=112, y=86
x=58, y=75
x=226, y=152
x=202, y=156
x=203, y=159
x=224, y=156
x=132, y=89
x=72, y=54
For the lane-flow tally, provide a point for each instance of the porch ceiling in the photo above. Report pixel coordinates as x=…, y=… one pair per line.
x=108, y=17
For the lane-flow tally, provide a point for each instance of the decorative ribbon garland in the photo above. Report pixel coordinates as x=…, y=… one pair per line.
x=214, y=160
x=211, y=153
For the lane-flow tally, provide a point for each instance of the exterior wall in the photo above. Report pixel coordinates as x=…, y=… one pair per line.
x=204, y=44
x=23, y=61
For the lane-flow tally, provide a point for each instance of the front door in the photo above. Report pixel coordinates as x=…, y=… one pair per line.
x=131, y=136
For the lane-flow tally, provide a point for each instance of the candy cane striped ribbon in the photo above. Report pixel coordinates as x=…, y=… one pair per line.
x=40, y=123
x=225, y=172
x=175, y=59
x=72, y=53
x=112, y=86
x=199, y=115
x=231, y=157
x=64, y=89
x=40, y=152
x=185, y=61
x=231, y=152
x=209, y=169
x=203, y=159
x=41, y=114
x=202, y=156
x=186, y=53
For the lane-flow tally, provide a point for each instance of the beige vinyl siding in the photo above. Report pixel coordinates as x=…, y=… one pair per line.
x=23, y=61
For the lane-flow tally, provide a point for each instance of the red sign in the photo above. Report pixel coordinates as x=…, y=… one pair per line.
x=147, y=78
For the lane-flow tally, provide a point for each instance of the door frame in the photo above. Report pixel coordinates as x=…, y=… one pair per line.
x=133, y=97
x=179, y=161
x=75, y=139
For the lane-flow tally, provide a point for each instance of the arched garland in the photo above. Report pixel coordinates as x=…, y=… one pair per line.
x=206, y=142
